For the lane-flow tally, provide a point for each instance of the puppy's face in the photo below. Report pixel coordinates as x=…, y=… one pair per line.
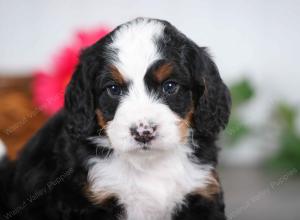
x=145, y=102
x=145, y=83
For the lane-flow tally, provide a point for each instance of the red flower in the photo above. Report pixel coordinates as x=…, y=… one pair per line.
x=49, y=85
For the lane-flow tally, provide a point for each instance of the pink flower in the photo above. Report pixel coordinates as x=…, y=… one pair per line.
x=49, y=85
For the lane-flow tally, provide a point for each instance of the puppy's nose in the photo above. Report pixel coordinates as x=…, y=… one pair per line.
x=143, y=133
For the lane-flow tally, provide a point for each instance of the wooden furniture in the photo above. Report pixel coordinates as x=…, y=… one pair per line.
x=19, y=117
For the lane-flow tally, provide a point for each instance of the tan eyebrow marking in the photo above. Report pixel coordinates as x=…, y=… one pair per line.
x=117, y=76
x=163, y=72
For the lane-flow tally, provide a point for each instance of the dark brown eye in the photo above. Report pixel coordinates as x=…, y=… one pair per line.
x=114, y=90
x=170, y=87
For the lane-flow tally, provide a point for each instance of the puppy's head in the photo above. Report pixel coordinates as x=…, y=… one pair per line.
x=145, y=87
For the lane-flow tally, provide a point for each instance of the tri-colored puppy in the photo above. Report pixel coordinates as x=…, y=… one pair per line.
x=135, y=140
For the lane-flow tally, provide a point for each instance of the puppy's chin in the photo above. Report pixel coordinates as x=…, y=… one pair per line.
x=146, y=158
x=147, y=150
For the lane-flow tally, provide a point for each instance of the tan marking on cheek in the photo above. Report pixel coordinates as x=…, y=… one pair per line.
x=185, y=124
x=117, y=76
x=163, y=72
x=100, y=197
x=211, y=189
x=100, y=119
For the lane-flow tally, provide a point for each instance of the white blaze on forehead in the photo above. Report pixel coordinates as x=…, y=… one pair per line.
x=136, y=47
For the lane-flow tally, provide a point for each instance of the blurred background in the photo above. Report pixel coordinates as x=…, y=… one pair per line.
x=254, y=43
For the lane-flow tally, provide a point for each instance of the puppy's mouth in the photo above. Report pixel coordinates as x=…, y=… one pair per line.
x=141, y=147
x=145, y=147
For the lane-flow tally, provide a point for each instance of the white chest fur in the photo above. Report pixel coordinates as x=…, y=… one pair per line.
x=149, y=188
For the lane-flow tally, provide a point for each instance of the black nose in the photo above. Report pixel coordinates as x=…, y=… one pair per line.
x=143, y=133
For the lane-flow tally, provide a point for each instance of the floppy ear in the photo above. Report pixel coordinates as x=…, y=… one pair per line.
x=212, y=102
x=79, y=103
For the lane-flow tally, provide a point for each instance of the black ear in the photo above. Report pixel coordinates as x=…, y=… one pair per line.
x=79, y=103
x=213, y=102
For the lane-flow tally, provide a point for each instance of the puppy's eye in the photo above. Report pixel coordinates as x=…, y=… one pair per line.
x=170, y=87
x=114, y=90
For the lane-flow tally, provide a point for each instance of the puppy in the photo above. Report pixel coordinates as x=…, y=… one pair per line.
x=135, y=139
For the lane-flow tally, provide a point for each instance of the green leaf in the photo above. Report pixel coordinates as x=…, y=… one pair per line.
x=286, y=115
x=288, y=155
x=241, y=92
